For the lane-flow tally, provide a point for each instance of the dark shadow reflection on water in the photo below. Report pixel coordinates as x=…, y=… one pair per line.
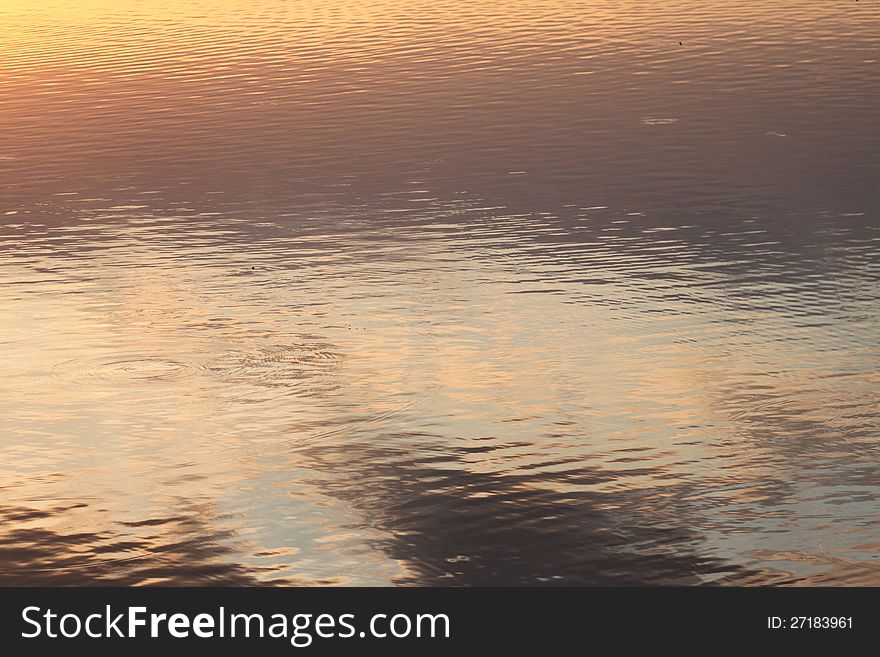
x=452, y=527
x=176, y=551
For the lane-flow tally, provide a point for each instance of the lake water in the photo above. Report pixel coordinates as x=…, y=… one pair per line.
x=439, y=293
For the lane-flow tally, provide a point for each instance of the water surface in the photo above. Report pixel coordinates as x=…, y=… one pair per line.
x=444, y=293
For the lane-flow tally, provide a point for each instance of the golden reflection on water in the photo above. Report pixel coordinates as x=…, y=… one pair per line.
x=370, y=293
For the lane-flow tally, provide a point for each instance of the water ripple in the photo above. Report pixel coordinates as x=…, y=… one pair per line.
x=439, y=292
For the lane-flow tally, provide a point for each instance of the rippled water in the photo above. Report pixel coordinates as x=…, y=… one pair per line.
x=439, y=292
